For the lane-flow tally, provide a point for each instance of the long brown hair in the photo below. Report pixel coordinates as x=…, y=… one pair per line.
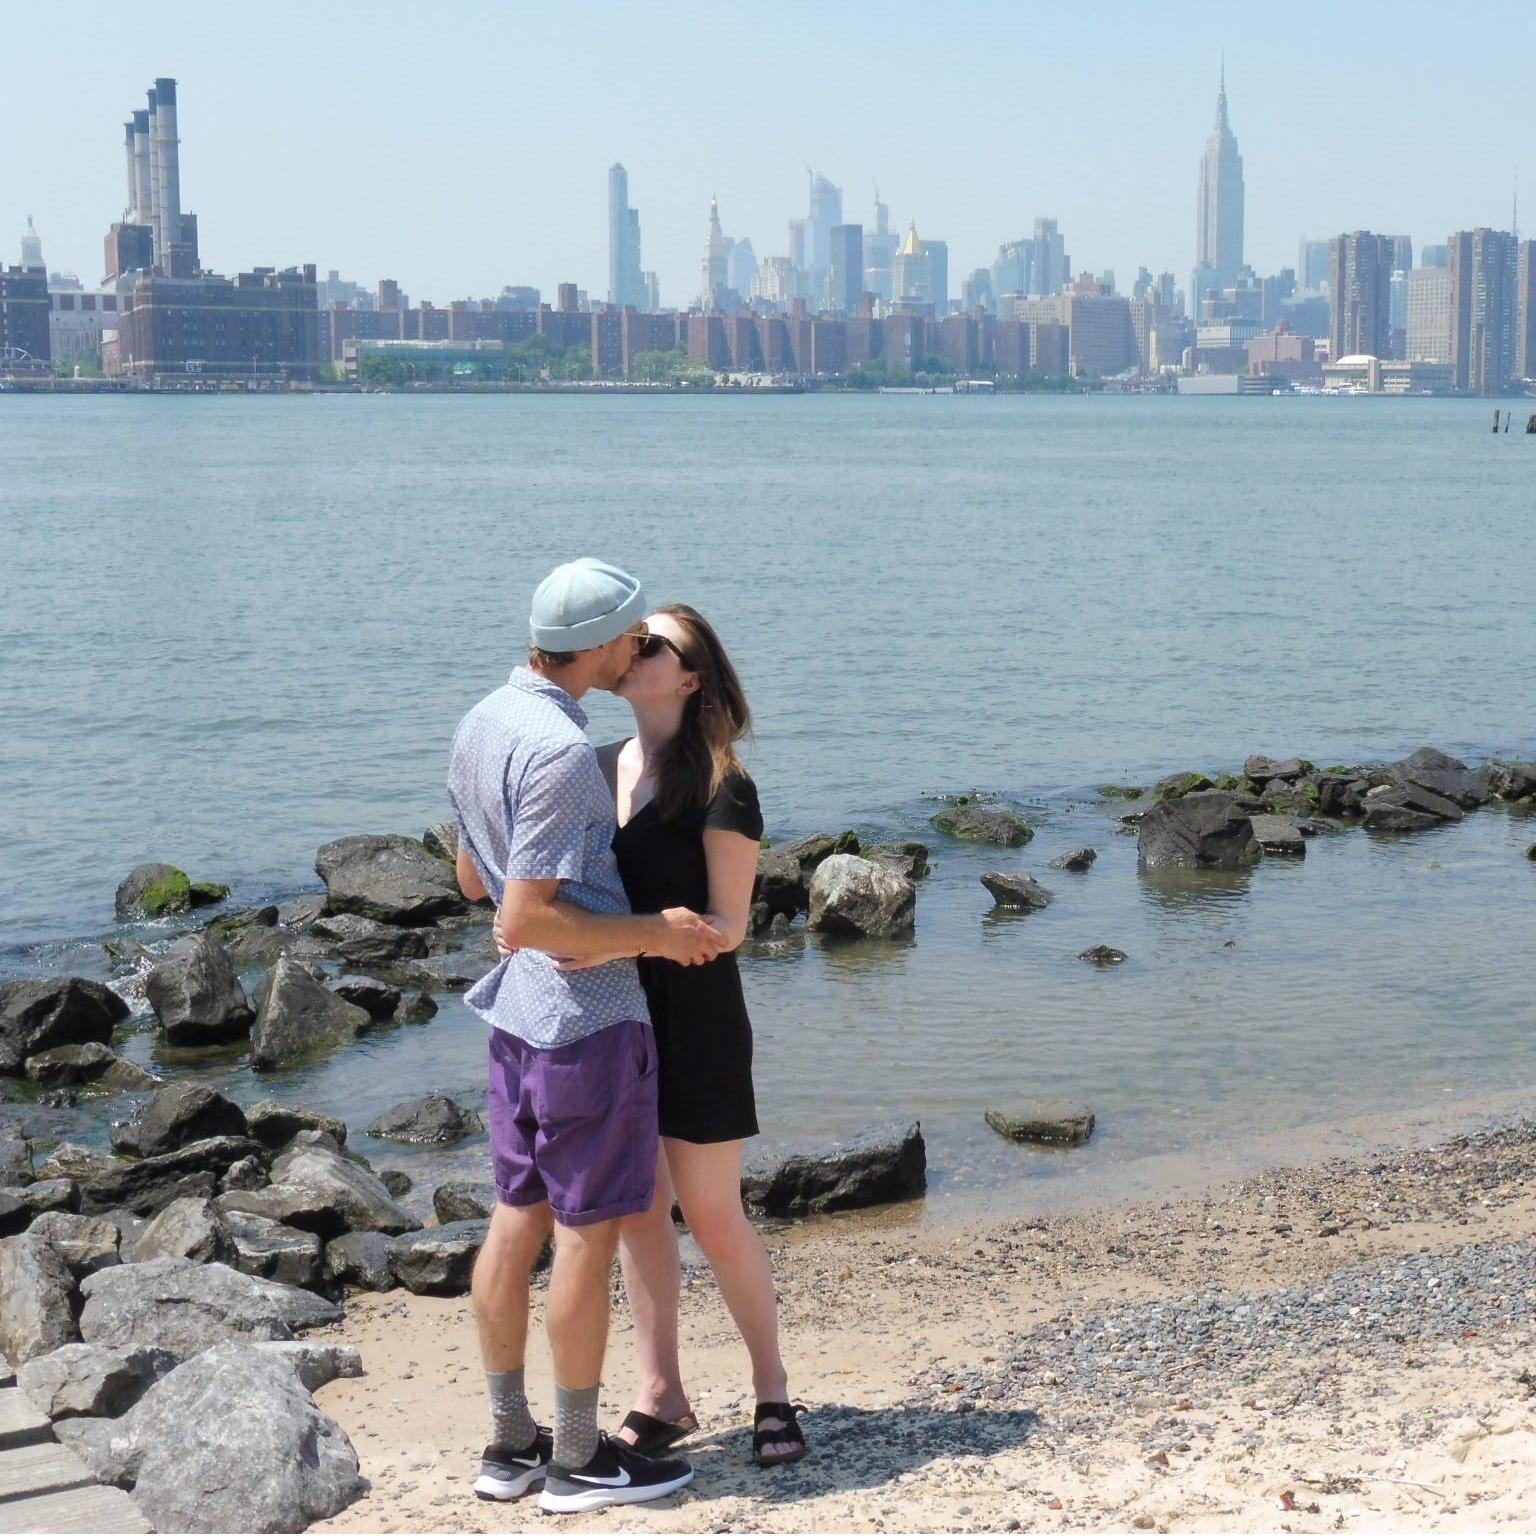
x=692, y=766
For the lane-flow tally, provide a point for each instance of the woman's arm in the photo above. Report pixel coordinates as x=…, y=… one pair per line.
x=732, y=861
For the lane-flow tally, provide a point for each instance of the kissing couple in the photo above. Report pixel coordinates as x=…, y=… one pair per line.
x=620, y=1047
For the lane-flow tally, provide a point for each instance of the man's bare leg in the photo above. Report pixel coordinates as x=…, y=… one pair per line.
x=577, y=1321
x=499, y=1290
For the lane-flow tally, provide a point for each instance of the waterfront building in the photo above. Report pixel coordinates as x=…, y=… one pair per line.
x=1312, y=266
x=626, y=286
x=1427, y=326
x=1359, y=279
x=846, y=273
x=1051, y=269
x=911, y=279
x=1483, y=268
x=79, y=320
x=880, y=253
x=24, y=331
x=1282, y=354
x=1100, y=340
x=341, y=324
x=1525, y=311
x=1219, y=205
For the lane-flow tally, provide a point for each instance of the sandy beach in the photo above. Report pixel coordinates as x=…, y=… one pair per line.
x=1344, y=1346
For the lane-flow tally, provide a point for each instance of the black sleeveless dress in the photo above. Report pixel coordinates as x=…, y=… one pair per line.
x=703, y=1034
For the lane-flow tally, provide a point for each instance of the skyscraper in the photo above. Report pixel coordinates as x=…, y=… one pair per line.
x=1484, y=270
x=1525, y=310
x=879, y=252
x=1359, y=296
x=826, y=211
x=1052, y=271
x=625, y=285
x=1012, y=270
x=1312, y=265
x=717, y=252
x=937, y=253
x=1219, y=206
x=910, y=278
x=740, y=266
x=845, y=280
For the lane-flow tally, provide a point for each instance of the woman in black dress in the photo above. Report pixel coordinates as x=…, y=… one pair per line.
x=689, y=829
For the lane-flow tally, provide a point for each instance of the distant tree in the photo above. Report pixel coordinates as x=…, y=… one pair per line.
x=674, y=367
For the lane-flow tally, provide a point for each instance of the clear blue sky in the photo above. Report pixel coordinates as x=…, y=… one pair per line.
x=462, y=146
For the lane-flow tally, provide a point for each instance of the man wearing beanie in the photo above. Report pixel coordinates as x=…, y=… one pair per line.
x=572, y=1058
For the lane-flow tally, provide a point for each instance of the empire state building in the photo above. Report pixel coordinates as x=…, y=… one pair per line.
x=1219, y=216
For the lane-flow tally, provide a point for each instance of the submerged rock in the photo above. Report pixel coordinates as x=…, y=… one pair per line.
x=416, y=1009
x=911, y=859
x=1442, y=775
x=365, y=941
x=781, y=886
x=40, y=1013
x=1509, y=781
x=1202, y=829
x=1079, y=860
x=852, y=895
x=153, y=890
x=1404, y=807
x=434, y=1120
x=394, y=879
x=1019, y=893
x=971, y=823
x=1279, y=835
x=91, y=1065
x=1103, y=955
x=874, y=1167
x=300, y=1019
x=1047, y=1122
x=1340, y=794
x=377, y=999
x=196, y=994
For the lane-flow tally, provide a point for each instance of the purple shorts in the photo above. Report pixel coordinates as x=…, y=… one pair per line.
x=576, y=1125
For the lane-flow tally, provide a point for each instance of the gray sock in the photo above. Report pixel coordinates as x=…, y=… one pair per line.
x=575, y=1425
x=512, y=1425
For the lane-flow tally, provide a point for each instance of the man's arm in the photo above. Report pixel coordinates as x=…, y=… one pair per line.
x=470, y=883
x=533, y=916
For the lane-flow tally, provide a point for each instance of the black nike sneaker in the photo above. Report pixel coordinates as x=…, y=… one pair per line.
x=616, y=1474
x=509, y=1474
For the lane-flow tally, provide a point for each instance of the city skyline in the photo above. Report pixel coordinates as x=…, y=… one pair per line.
x=542, y=216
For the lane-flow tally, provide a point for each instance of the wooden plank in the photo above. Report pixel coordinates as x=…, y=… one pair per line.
x=78, y=1510
x=20, y=1422
x=27, y=1470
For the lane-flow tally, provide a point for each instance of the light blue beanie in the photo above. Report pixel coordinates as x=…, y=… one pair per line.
x=584, y=604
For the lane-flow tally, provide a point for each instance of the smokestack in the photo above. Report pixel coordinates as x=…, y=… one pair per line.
x=141, y=197
x=168, y=187
x=132, y=190
x=152, y=208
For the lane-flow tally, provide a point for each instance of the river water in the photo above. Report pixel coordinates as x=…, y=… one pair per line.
x=233, y=629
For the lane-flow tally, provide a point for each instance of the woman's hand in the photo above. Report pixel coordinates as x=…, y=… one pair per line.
x=499, y=934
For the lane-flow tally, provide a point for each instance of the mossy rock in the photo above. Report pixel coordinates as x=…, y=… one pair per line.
x=1177, y=785
x=984, y=824
x=1231, y=781
x=1121, y=792
x=207, y=893
x=154, y=890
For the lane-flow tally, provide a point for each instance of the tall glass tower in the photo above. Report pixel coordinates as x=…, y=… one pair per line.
x=625, y=284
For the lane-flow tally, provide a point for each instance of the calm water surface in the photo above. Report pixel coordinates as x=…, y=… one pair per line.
x=233, y=629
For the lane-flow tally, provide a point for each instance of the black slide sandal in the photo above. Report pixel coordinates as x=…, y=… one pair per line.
x=653, y=1435
x=789, y=1432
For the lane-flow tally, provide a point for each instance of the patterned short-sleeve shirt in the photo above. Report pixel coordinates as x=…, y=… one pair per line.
x=532, y=804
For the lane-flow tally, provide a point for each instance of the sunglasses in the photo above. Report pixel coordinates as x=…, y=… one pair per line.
x=650, y=644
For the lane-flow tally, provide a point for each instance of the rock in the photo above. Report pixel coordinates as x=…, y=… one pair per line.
x=315, y=1364
x=85, y=1243
x=1177, y=785
x=347, y=1198
x=1530, y=852
x=1509, y=781
x=817, y=847
x=1018, y=892
x=15, y=1213
x=266, y=946
x=365, y=941
x=431, y=1121
x=1261, y=770
x=879, y=1165
x=44, y=1195
x=248, y=1173
x=227, y=924
x=852, y=895
x=1383, y=814
x=463, y=1202
x=911, y=859
x=393, y=879
x=1440, y=775
x=186, y=1229
x=1282, y=799
x=151, y=1184
x=93, y=1066
x=207, y=893
x=69, y=1160
x=38, y=1014
x=274, y=1124
x=1340, y=795
x=37, y=1299
x=187, y=1307
x=93, y=1380
x=1103, y=954
x=416, y=1009
x=1279, y=835
x=91, y=1440
x=274, y=1251
x=377, y=999
x=153, y=890
x=1400, y=795
x=972, y=823
x=441, y=840
x=177, y=1116
x=300, y=1019
x=781, y=886
x=15, y=1161
x=1121, y=791
x=1202, y=829
x=196, y=994
x=396, y=1180
x=1050, y=1122
x=438, y=1261
x=232, y=1441
x=361, y=1260
x=1077, y=861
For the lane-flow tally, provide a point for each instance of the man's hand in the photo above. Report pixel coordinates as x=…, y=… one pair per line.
x=686, y=938
x=499, y=934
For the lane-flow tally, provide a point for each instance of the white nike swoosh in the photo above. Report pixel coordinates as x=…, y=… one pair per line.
x=621, y=1481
